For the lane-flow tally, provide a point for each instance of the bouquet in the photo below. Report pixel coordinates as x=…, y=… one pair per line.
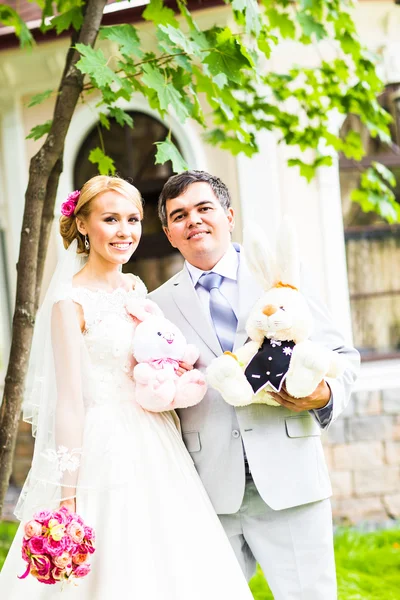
x=57, y=546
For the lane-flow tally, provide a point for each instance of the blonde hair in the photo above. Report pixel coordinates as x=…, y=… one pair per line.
x=91, y=189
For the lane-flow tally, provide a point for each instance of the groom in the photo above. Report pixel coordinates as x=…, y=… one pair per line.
x=263, y=467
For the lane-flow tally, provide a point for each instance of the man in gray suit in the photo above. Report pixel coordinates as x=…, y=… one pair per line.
x=263, y=467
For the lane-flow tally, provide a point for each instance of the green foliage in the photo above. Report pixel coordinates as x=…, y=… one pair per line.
x=39, y=130
x=166, y=150
x=226, y=67
x=105, y=163
x=70, y=18
x=7, y=532
x=10, y=18
x=39, y=98
x=375, y=195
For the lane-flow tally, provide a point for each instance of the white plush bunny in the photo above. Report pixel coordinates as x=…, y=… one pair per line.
x=278, y=326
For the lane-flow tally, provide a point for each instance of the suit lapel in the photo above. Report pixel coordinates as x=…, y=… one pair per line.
x=249, y=292
x=188, y=302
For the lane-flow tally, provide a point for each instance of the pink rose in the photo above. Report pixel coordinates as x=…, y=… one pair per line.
x=80, y=558
x=54, y=547
x=32, y=528
x=81, y=570
x=68, y=207
x=63, y=560
x=67, y=544
x=42, y=564
x=89, y=533
x=58, y=574
x=36, y=545
x=61, y=516
x=42, y=516
x=76, y=531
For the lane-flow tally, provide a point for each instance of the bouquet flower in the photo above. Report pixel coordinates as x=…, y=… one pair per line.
x=57, y=546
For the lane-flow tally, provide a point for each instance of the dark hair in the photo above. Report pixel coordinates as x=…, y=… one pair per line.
x=178, y=184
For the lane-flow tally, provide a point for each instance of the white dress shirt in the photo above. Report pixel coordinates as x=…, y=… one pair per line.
x=228, y=268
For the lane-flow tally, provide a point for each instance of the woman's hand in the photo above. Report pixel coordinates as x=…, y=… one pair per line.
x=183, y=367
x=70, y=504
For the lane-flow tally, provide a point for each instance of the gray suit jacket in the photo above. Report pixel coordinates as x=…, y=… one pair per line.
x=283, y=448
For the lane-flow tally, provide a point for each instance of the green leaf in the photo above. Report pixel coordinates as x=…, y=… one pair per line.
x=352, y=145
x=10, y=18
x=66, y=20
x=121, y=116
x=385, y=173
x=126, y=37
x=39, y=130
x=94, y=64
x=104, y=121
x=252, y=14
x=39, y=98
x=306, y=170
x=166, y=92
x=166, y=151
x=228, y=59
x=104, y=163
x=157, y=12
x=281, y=21
x=181, y=40
x=310, y=26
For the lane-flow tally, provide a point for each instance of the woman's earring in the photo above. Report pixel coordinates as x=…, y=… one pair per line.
x=87, y=245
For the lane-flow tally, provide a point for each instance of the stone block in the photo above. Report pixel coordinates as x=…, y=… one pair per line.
x=392, y=453
x=350, y=511
x=392, y=505
x=358, y=455
x=373, y=427
x=335, y=433
x=391, y=401
x=368, y=402
x=342, y=483
x=377, y=481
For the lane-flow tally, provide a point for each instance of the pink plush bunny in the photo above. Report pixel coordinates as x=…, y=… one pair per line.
x=158, y=346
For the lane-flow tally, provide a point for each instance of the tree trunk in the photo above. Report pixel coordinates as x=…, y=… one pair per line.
x=44, y=171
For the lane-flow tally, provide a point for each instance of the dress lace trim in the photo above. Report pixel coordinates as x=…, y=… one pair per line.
x=95, y=302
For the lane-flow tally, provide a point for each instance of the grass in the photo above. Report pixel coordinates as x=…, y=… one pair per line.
x=7, y=531
x=368, y=564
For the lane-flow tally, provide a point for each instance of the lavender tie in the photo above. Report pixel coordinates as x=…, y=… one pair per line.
x=222, y=315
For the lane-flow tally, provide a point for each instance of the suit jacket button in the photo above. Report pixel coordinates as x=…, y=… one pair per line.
x=235, y=433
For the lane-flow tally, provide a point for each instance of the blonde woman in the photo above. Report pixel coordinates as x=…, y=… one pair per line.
x=124, y=470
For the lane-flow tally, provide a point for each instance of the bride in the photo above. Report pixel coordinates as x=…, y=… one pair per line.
x=124, y=470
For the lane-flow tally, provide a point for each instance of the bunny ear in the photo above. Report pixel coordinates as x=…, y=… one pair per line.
x=259, y=256
x=288, y=253
x=142, y=310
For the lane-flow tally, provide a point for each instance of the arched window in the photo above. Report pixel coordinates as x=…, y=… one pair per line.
x=133, y=152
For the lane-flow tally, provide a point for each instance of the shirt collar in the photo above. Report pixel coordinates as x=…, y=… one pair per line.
x=227, y=266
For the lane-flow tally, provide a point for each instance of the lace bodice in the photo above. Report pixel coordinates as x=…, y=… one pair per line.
x=108, y=338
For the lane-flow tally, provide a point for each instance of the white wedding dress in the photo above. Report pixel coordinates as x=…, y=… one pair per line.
x=157, y=535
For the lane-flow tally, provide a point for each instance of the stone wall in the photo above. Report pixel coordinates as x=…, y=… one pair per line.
x=363, y=453
x=362, y=450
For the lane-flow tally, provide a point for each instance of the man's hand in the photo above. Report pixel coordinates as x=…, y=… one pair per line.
x=318, y=399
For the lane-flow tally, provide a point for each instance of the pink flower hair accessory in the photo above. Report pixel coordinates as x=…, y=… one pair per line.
x=68, y=207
